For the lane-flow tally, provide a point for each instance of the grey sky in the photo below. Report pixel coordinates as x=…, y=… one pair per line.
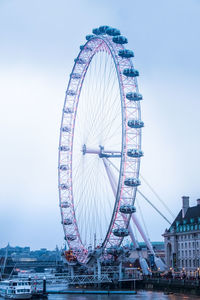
x=38, y=43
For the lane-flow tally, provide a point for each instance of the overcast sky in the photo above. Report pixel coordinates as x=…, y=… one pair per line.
x=38, y=43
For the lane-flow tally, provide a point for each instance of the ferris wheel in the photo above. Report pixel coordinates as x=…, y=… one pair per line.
x=100, y=144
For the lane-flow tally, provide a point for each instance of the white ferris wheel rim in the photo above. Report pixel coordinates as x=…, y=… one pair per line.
x=131, y=139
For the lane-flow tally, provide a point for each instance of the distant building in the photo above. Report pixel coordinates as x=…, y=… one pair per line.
x=182, y=240
x=25, y=254
x=8, y=250
x=158, y=247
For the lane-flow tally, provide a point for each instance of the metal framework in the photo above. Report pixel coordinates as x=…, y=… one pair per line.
x=109, y=41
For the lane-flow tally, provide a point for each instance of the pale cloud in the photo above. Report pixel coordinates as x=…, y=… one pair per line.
x=39, y=41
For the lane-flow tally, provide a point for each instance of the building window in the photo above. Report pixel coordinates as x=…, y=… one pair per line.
x=190, y=263
x=182, y=263
x=185, y=245
x=186, y=263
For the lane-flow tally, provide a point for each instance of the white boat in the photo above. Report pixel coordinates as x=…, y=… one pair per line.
x=15, y=289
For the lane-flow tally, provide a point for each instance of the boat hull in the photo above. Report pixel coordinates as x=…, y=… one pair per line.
x=22, y=296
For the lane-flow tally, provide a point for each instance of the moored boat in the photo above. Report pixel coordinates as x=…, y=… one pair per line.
x=15, y=289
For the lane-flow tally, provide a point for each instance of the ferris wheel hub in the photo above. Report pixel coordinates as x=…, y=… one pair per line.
x=101, y=152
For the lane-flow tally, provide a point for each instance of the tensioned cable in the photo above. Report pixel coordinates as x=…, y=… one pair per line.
x=153, y=206
x=142, y=217
x=145, y=197
x=158, y=197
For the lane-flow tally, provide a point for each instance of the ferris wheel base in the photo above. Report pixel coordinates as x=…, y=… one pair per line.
x=160, y=264
x=144, y=266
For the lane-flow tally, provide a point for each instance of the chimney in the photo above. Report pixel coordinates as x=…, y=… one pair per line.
x=198, y=201
x=185, y=205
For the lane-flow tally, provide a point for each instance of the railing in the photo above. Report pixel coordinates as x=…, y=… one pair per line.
x=88, y=279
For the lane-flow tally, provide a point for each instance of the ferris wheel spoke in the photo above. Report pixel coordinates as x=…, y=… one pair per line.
x=107, y=110
x=83, y=218
x=83, y=194
x=89, y=201
x=83, y=184
x=96, y=90
x=112, y=103
x=109, y=126
x=98, y=110
x=106, y=125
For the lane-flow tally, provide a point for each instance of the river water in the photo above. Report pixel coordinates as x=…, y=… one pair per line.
x=141, y=295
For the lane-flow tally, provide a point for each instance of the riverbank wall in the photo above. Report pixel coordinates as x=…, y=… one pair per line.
x=170, y=285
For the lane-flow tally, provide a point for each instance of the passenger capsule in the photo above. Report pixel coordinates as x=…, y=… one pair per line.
x=132, y=182
x=102, y=29
x=96, y=31
x=121, y=232
x=80, y=61
x=75, y=76
x=111, y=250
x=64, y=148
x=120, y=39
x=71, y=93
x=134, y=96
x=86, y=48
x=89, y=36
x=64, y=167
x=115, y=250
x=112, y=31
x=127, y=209
x=66, y=221
x=68, y=110
x=126, y=53
x=64, y=204
x=135, y=123
x=64, y=186
x=70, y=237
x=135, y=153
x=130, y=72
x=66, y=129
